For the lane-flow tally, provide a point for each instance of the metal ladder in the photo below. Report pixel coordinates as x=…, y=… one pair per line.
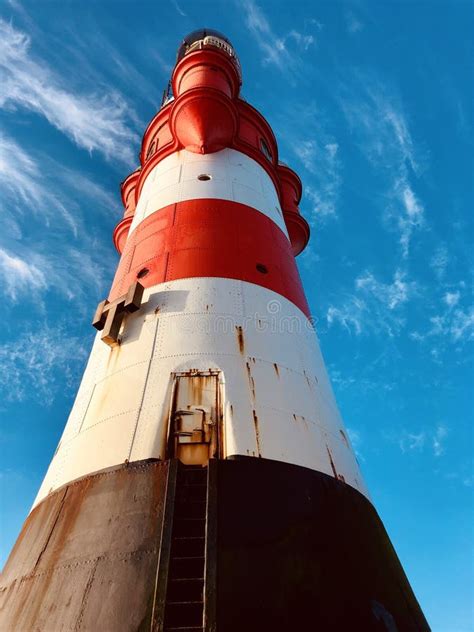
x=185, y=595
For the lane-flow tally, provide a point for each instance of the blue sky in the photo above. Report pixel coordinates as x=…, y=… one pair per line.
x=372, y=105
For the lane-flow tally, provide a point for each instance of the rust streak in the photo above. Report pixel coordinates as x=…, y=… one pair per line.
x=277, y=371
x=343, y=434
x=240, y=338
x=251, y=380
x=257, y=433
x=62, y=528
x=332, y=462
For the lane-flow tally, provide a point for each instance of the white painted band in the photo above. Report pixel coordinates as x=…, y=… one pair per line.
x=233, y=176
x=276, y=369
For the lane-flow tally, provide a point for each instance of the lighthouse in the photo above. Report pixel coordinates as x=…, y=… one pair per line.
x=204, y=480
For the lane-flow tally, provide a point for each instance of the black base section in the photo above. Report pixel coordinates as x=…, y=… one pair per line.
x=87, y=556
x=283, y=548
x=299, y=550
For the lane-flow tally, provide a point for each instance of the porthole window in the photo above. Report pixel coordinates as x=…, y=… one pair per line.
x=143, y=272
x=261, y=268
x=204, y=177
x=265, y=150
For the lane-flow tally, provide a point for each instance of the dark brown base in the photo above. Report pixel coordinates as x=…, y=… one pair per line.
x=299, y=550
x=288, y=549
x=87, y=556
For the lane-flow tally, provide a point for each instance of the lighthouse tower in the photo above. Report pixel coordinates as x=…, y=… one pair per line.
x=204, y=479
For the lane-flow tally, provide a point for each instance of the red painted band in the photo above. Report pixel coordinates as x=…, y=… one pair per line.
x=210, y=238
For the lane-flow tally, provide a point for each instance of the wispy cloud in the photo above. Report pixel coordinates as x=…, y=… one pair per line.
x=438, y=440
x=353, y=24
x=304, y=133
x=439, y=261
x=19, y=275
x=165, y=66
x=322, y=161
x=376, y=118
x=351, y=315
x=94, y=121
x=451, y=298
x=391, y=295
x=73, y=181
x=178, y=8
x=39, y=363
x=67, y=272
x=23, y=184
x=412, y=441
x=454, y=323
x=431, y=439
x=34, y=185
x=374, y=306
x=302, y=41
x=363, y=383
x=356, y=441
x=277, y=50
x=408, y=214
x=43, y=197
x=104, y=64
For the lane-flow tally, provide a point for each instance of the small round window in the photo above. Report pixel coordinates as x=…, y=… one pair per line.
x=261, y=268
x=204, y=177
x=143, y=272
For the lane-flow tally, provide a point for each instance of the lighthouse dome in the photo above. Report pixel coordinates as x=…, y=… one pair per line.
x=204, y=38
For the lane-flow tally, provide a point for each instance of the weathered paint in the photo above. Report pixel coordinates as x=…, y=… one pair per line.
x=100, y=554
x=211, y=233
x=87, y=556
x=122, y=408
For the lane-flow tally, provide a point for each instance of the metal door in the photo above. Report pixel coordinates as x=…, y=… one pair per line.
x=195, y=416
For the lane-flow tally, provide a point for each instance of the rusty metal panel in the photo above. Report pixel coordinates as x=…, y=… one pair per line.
x=87, y=556
x=195, y=417
x=33, y=539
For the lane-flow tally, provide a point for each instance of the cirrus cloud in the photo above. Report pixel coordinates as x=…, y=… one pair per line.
x=94, y=121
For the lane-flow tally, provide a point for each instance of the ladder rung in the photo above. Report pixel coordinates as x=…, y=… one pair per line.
x=184, y=609
x=187, y=579
x=187, y=558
